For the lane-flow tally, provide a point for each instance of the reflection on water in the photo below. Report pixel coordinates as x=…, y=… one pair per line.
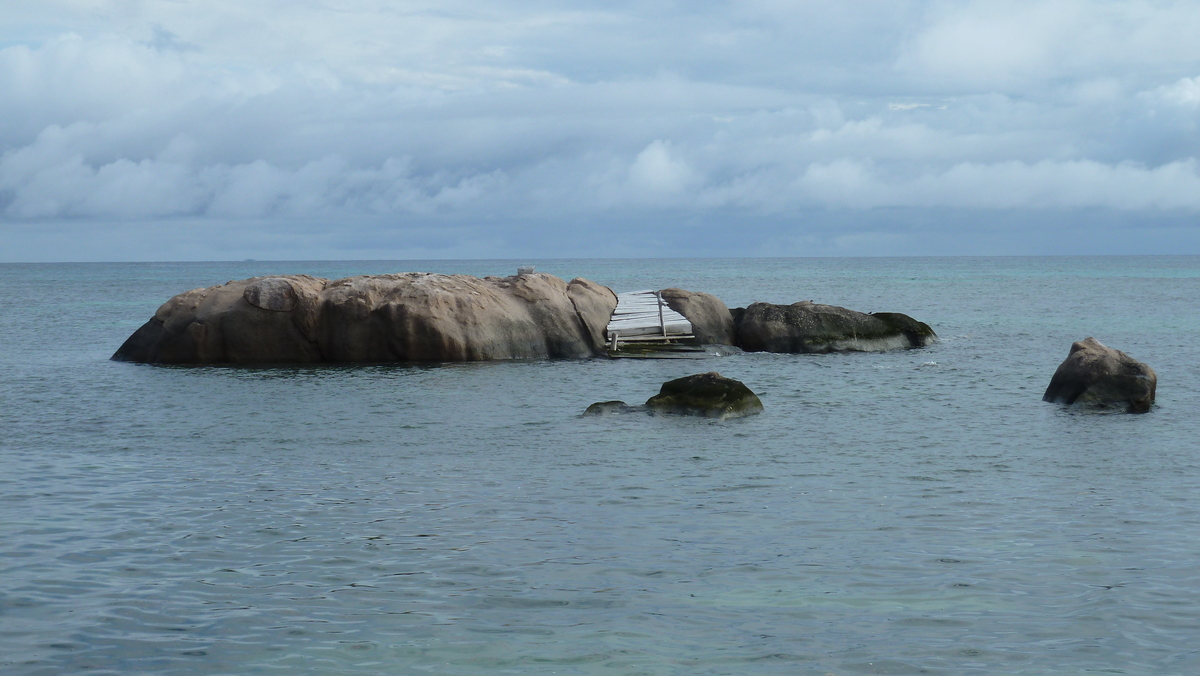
x=882, y=515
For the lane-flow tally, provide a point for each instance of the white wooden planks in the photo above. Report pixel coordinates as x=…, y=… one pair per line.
x=643, y=315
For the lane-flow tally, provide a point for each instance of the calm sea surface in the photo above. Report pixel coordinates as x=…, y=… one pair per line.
x=911, y=512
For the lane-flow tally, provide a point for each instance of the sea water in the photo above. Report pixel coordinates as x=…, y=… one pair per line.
x=918, y=511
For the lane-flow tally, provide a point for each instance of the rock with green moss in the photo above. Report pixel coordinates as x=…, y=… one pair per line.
x=813, y=327
x=706, y=394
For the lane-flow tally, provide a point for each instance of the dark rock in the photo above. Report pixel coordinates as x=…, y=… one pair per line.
x=1096, y=375
x=711, y=321
x=736, y=314
x=813, y=327
x=706, y=394
x=918, y=333
x=376, y=318
x=608, y=408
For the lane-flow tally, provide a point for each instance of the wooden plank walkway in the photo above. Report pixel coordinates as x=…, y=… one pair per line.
x=643, y=317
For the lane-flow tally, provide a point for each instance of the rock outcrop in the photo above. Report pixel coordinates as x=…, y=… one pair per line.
x=813, y=327
x=375, y=319
x=706, y=394
x=712, y=324
x=1096, y=375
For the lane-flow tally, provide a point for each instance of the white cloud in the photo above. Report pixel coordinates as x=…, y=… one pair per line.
x=48, y=180
x=1185, y=92
x=984, y=45
x=1010, y=185
x=656, y=172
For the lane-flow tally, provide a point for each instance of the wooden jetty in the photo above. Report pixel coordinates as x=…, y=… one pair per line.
x=643, y=325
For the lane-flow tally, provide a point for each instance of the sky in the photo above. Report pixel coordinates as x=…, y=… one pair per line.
x=374, y=129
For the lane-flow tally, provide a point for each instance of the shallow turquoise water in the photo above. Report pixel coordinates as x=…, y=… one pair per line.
x=910, y=512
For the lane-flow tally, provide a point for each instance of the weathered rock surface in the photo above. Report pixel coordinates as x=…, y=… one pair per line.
x=813, y=327
x=376, y=318
x=706, y=394
x=712, y=324
x=1094, y=374
x=594, y=304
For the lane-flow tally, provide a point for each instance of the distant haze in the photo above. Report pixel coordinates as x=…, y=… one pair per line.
x=314, y=129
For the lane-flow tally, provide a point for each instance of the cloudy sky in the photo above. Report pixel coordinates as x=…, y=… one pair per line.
x=273, y=129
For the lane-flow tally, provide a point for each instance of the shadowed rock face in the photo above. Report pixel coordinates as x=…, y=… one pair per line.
x=594, y=304
x=1096, y=375
x=375, y=319
x=813, y=327
x=711, y=322
x=706, y=394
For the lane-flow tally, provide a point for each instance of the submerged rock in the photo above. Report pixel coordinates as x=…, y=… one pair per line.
x=608, y=408
x=1094, y=374
x=706, y=394
x=812, y=327
x=376, y=318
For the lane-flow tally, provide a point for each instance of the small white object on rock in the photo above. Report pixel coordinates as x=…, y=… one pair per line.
x=524, y=270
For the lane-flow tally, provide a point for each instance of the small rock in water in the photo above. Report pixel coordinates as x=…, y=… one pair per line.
x=607, y=408
x=706, y=394
x=1094, y=374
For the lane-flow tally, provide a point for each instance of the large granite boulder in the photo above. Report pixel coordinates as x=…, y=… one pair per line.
x=813, y=327
x=1094, y=374
x=706, y=394
x=376, y=318
x=712, y=324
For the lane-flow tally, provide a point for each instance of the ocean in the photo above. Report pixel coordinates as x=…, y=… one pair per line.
x=908, y=512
